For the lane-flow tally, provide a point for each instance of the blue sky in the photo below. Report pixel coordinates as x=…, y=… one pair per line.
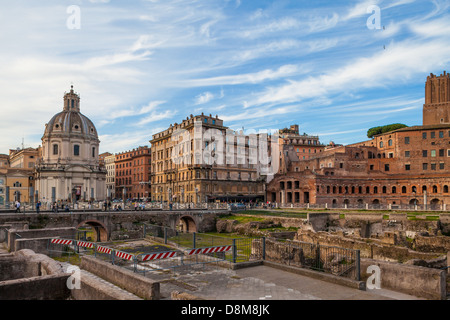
x=140, y=66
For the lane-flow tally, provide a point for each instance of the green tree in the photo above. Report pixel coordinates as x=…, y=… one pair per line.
x=383, y=129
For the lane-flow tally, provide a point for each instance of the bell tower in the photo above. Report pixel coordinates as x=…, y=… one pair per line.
x=71, y=101
x=436, y=109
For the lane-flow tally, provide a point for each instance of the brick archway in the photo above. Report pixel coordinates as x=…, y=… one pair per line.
x=187, y=224
x=435, y=204
x=101, y=231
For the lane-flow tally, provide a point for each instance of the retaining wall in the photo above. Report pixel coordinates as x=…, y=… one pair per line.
x=14, y=234
x=50, y=287
x=38, y=245
x=93, y=289
x=414, y=280
x=26, y=275
x=132, y=282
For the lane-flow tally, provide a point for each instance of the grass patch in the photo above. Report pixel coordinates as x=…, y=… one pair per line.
x=277, y=213
x=426, y=218
x=73, y=258
x=243, y=219
x=275, y=229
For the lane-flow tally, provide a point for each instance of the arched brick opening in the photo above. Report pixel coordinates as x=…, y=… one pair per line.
x=187, y=224
x=435, y=204
x=101, y=232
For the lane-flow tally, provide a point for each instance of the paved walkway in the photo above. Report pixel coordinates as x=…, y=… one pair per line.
x=266, y=283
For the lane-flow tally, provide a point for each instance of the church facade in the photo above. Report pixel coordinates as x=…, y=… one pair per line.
x=69, y=169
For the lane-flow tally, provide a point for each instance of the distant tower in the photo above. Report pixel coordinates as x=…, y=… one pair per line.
x=436, y=109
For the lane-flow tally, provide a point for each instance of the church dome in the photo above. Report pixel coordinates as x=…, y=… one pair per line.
x=71, y=121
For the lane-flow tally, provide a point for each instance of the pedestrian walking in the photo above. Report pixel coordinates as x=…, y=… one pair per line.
x=38, y=207
x=17, y=206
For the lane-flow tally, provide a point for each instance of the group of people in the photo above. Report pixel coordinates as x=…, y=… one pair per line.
x=139, y=206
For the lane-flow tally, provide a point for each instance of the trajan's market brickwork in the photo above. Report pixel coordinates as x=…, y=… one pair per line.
x=408, y=166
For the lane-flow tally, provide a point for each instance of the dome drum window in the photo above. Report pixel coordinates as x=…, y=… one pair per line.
x=55, y=149
x=76, y=150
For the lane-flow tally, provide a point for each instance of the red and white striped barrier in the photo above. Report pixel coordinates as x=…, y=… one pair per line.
x=104, y=249
x=85, y=244
x=161, y=255
x=124, y=255
x=210, y=250
x=61, y=241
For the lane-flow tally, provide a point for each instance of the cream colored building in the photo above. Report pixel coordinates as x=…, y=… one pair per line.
x=110, y=166
x=24, y=158
x=69, y=168
x=200, y=160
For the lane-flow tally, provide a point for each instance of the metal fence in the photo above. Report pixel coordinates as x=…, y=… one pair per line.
x=338, y=261
x=357, y=206
x=241, y=246
x=329, y=259
x=199, y=249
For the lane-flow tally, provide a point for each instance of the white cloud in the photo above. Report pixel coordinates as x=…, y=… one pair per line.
x=204, y=98
x=435, y=28
x=396, y=63
x=155, y=116
x=151, y=106
x=257, y=77
x=359, y=9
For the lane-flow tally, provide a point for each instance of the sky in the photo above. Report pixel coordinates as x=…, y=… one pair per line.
x=335, y=68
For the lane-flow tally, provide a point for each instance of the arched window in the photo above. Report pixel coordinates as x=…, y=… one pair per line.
x=403, y=189
x=384, y=189
x=435, y=189
x=55, y=149
x=394, y=189
x=381, y=144
x=445, y=189
x=93, y=152
x=424, y=188
x=76, y=150
x=390, y=142
x=375, y=189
